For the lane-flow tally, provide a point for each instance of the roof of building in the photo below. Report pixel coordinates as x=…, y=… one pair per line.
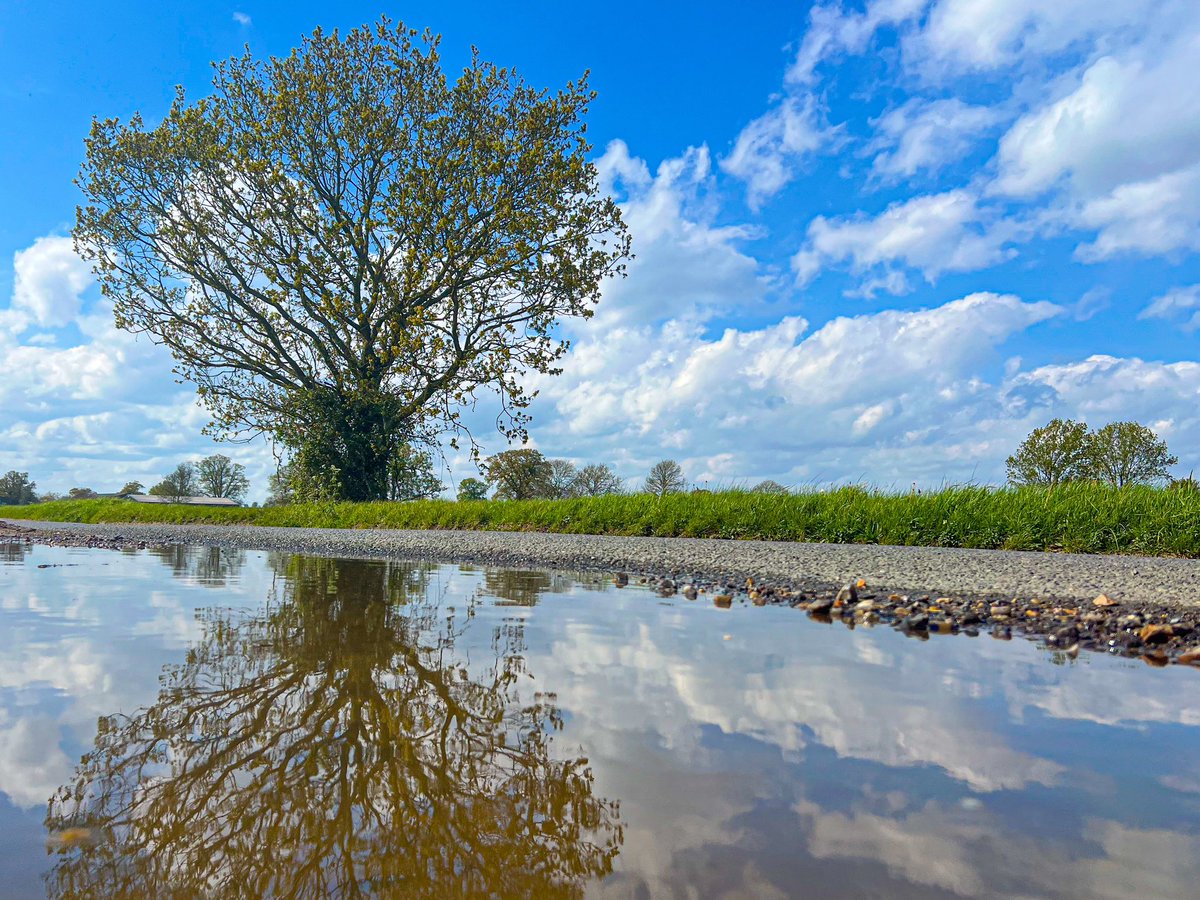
x=193, y=501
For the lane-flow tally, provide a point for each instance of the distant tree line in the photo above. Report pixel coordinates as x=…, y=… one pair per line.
x=213, y=476
x=1120, y=454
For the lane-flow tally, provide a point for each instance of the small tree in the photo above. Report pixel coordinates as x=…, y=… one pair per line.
x=472, y=489
x=1058, y=451
x=81, y=493
x=562, y=478
x=1125, y=453
x=519, y=474
x=182, y=482
x=769, y=487
x=411, y=475
x=131, y=487
x=220, y=476
x=596, y=480
x=16, y=489
x=666, y=477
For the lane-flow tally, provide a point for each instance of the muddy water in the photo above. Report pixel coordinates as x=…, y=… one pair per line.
x=217, y=723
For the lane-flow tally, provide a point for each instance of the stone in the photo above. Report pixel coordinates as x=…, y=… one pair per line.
x=848, y=594
x=1000, y=611
x=621, y=579
x=1104, y=600
x=722, y=601
x=1156, y=634
x=820, y=606
x=941, y=626
x=1190, y=657
x=689, y=591
x=919, y=622
x=757, y=598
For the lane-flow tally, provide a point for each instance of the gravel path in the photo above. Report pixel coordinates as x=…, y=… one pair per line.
x=1169, y=582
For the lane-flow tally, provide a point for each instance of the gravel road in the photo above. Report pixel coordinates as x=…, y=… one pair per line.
x=1170, y=582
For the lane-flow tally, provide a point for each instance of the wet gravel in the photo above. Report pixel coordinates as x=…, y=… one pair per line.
x=1132, y=606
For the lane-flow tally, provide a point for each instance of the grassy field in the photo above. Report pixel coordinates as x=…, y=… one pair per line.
x=1080, y=518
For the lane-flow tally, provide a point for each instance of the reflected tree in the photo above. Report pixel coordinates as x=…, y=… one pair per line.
x=13, y=551
x=210, y=566
x=336, y=744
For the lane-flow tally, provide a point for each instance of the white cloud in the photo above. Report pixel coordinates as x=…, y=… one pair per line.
x=765, y=153
x=832, y=30
x=772, y=402
x=1119, y=150
x=1160, y=216
x=980, y=35
x=104, y=408
x=927, y=135
x=242, y=18
x=936, y=233
x=1174, y=303
x=1128, y=120
x=49, y=279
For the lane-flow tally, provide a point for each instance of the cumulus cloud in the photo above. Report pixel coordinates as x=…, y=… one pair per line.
x=87, y=404
x=1120, y=149
x=936, y=233
x=778, y=401
x=49, y=279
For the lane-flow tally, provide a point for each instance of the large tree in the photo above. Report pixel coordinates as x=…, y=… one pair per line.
x=342, y=246
x=220, y=476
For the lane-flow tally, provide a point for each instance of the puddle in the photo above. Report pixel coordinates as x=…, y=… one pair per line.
x=213, y=722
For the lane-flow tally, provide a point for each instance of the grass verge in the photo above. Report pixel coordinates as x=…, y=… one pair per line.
x=1081, y=518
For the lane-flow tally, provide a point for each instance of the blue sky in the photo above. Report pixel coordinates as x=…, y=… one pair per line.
x=874, y=241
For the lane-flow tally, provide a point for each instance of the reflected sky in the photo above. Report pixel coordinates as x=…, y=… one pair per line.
x=602, y=741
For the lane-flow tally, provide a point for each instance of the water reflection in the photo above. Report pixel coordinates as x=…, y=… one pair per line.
x=13, y=552
x=210, y=566
x=336, y=742
x=317, y=734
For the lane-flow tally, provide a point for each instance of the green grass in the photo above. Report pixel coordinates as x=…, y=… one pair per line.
x=1082, y=518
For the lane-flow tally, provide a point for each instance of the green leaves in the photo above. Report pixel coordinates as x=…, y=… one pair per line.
x=1120, y=453
x=345, y=228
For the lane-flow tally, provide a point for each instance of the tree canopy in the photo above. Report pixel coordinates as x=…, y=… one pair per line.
x=1120, y=453
x=472, y=489
x=1058, y=451
x=521, y=474
x=1129, y=453
x=220, y=476
x=666, y=477
x=342, y=246
x=16, y=489
x=182, y=482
